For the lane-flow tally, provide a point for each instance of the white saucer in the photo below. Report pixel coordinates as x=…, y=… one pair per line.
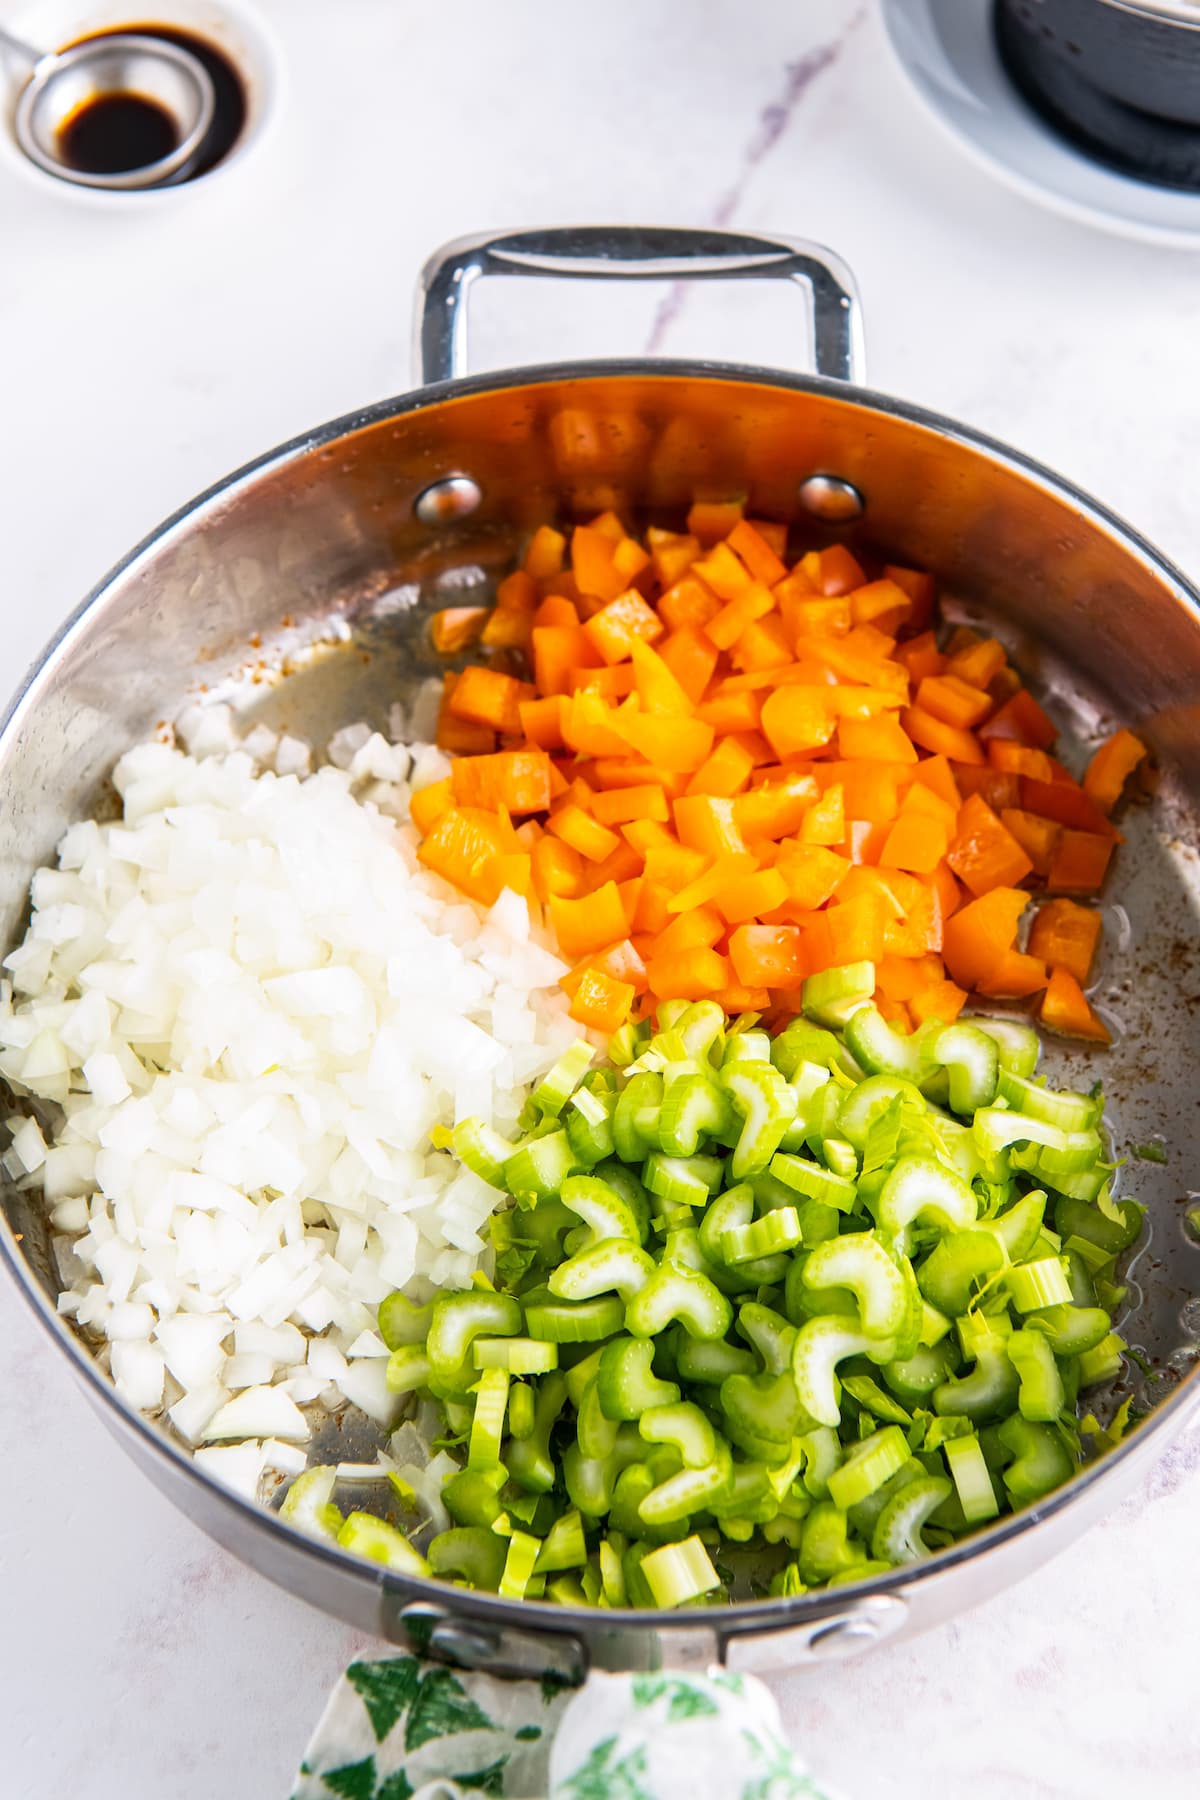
x=947, y=51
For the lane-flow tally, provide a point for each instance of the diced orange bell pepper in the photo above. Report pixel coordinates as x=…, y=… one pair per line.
x=1022, y=719
x=916, y=842
x=747, y=541
x=706, y=822
x=631, y=898
x=984, y=854
x=620, y=806
x=711, y=520
x=557, y=869
x=589, y=726
x=925, y=802
x=726, y=771
x=1020, y=759
x=807, y=616
x=878, y=739
x=699, y=927
x=935, y=773
x=456, y=628
x=1080, y=862
x=1111, y=767
x=999, y=789
x=750, y=898
x=592, y=563
x=541, y=721
x=825, y=820
x=691, y=657
x=1014, y=977
x=856, y=928
x=942, y=1000
x=754, y=602
x=621, y=865
x=1065, y=936
x=921, y=657
x=465, y=848
x=650, y=914
x=672, y=742
x=428, y=804
x=794, y=723
x=1037, y=837
x=900, y=977
x=943, y=740
x=615, y=627
x=674, y=866
x=1067, y=804
x=954, y=701
x=724, y=573
x=630, y=559
x=871, y=789
x=687, y=974
x=1065, y=1010
x=767, y=956
x=891, y=886
x=922, y=929
x=601, y=1001
x=880, y=603
x=688, y=602
x=590, y=923
x=508, y=625
x=979, y=935
x=544, y=557
x=812, y=873
x=657, y=688
x=557, y=650
x=977, y=663
x=920, y=589
x=557, y=608
x=593, y=840
x=518, y=780
x=775, y=809
x=833, y=571
x=672, y=553
x=763, y=645
x=461, y=736
x=731, y=711
x=723, y=872
x=647, y=834
x=620, y=961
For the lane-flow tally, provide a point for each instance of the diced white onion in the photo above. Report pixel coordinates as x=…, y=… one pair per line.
x=242, y=1009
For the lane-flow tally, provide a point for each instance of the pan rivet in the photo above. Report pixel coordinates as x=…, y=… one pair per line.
x=842, y=1638
x=830, y=498
x=454, y=497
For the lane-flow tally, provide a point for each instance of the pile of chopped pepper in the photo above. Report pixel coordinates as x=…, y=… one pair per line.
x=727, y=775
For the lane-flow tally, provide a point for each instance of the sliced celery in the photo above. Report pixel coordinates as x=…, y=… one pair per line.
x=832, y=996
x=380, y=1542
x=520, y=1356
x=867, y=1465
x=972, y=1482
x=677, y=1573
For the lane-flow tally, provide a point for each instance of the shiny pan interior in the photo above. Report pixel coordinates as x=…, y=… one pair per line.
x=319, y=557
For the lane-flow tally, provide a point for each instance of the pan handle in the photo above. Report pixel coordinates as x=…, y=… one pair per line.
x=636, y=253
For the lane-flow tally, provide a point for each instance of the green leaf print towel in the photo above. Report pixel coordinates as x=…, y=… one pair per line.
x=405, y=1729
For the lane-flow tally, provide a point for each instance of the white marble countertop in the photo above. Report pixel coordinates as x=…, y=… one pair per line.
x=148, y=350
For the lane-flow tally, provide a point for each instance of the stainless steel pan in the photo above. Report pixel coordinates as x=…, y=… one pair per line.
x=360, y=528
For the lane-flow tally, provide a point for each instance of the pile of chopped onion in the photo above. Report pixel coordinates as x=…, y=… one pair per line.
x=240, y=1013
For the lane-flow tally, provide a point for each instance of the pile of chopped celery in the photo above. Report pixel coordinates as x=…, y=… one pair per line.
x=770, y=1313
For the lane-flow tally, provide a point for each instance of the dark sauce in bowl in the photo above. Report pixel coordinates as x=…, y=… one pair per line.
x=113, y=133
x=120, y=131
